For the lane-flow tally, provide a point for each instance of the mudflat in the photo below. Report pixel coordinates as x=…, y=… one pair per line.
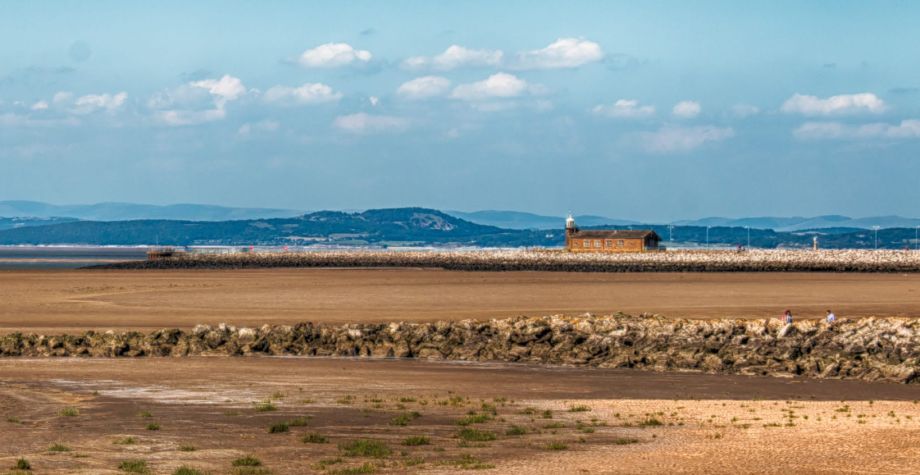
x=77, y=300
x=303, y=415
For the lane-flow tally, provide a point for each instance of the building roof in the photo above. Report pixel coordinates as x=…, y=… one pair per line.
x=616, y=234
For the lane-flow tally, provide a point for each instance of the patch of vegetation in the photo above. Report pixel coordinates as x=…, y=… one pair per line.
x=58, y=448
x=364, y=468
x=133, y=466
x=187, y=448
x=145, y=414
x=416, y=440
x=265, y=406
x=279, y=428
x=547, y=414
x=183, y=470
x=153, y=426
x=13, y=420
x=651, y=422
x=474, y=435
x=474, y=419
x=347, y=399
x=322, y=464
x=580, y=408
x=404, y=419
x=515, y=430
x=468, y=462
x=554, y=425
x=22, y=464
x=625, y=441
x=70, y=412
x=557, y=445
x=365, y=448
x=314, y=438
x=247, y=461
x=299, y=422
x=126, y=441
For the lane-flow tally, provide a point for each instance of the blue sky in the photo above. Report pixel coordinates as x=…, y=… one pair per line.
x=645, y=110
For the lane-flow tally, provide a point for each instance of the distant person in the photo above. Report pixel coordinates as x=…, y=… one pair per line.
x=787, y=317
x=831, y=318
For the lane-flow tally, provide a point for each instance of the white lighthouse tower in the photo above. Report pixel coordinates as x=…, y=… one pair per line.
x=570, y=229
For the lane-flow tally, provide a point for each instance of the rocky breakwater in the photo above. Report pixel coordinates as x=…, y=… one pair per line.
x=865, y=349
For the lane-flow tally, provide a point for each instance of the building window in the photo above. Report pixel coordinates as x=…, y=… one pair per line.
x=597, y=243
x=621, y=243
x=608, y=243
x=586, y=243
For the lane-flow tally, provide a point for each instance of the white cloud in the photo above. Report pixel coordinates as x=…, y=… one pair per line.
x=562, y=53
x=454, y=57
x=671, y=139
x=250, y=128
x=227, y=88
x=625, y=109
x=744, y=110
x=686, y=109
x=374, y=100
x=309, y=93
x=363, y=123
x=189, y=117
x=196, y=102
x=424, y=87
x=500, y=85
x=40, y=106
x=834, y=105
x=95, y=102
x=907, y=129
x=62, y=97
x=333, y=55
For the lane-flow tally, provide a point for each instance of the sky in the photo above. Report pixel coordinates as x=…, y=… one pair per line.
x=653, y=111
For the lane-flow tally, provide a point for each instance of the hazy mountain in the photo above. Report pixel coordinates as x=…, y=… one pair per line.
x=522, y=220
x=133, y=211
x=410, y=226
x=799, y=223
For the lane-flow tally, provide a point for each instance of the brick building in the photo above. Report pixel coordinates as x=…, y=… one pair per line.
x=619, y=240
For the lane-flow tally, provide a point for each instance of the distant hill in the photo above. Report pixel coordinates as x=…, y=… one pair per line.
x=132, y=211
x=399, y=226
x=522, y=220
x=799, y=223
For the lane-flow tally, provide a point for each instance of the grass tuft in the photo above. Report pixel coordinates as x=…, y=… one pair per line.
x=416, y=440
x=70, y=412
x=314, y=438
x=153, y=426
x=22, y=464
x=265, y=406
x=133, y=466
x=365, y=448
x=247, y=461
x=183, y=470
x=58, y=448
x=515, y=430
x=474, y=435
x=279, y=428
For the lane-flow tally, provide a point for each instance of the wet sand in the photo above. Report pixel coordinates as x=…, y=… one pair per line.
x=598, y=420
x=77, y=300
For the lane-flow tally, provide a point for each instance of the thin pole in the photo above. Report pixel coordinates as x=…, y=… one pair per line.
x=707, y=237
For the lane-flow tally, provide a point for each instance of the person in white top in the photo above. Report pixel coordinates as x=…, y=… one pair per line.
x=831, y=318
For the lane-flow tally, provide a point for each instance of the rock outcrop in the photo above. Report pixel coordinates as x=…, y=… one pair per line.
x=865, y=349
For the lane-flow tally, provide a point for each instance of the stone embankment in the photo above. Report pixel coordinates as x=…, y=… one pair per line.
x=760, y=260
x=865, y=349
